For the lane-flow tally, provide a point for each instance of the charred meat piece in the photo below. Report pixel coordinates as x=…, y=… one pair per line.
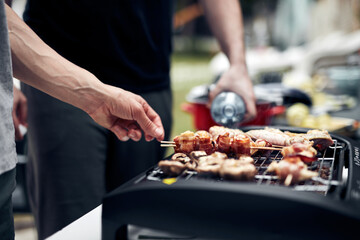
x=179, y=162
x=215, y=131
x=305, y=151
x=224, y=142
x=184, y=159
x=241, y=144
x=291, y=170
x=246, y=159
x=171, y=168
x=321, y=138
x=180, y=157
x=204, y=142
x=270, y=135
x=185, y=142
x=196, y=155
x=232, y=141
x=241, y=169
x=260, y=143
x=211, y=164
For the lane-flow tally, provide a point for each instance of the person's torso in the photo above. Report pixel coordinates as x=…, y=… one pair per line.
x=7, y=135
x=126, y=43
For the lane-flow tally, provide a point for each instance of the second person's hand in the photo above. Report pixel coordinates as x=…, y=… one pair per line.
x=236, y=79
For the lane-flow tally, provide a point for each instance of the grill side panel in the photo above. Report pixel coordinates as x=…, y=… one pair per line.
x=223, y=211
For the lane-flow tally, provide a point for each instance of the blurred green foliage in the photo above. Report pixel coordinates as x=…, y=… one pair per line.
x=187, y=71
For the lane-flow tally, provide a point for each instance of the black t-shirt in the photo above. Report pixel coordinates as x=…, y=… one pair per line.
x=125, y=43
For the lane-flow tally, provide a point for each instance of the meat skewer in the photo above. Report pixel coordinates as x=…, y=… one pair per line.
x=279, y=148
x=320, y=139
x=291, y=170
x=302, y=150
x=217, y=139
x=271, y=135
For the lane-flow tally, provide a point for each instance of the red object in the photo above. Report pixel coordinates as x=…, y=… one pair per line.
x=202, y=119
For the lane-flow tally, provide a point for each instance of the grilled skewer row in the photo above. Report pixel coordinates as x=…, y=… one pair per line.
x=319, y=139
x=207, y=153
x=228, y=141
x=236, y=142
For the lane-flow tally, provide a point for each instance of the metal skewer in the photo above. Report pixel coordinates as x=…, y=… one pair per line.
x=262, y=148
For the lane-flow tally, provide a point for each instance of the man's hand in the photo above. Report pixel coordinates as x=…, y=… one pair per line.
x=237, y=80
x=126, y=114
x=122, y=112
x=19, y=113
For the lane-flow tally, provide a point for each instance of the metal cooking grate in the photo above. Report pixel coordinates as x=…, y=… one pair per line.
x=325, y=166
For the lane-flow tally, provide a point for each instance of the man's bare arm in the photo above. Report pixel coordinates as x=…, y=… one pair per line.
x=36, y=64
x=225, y=20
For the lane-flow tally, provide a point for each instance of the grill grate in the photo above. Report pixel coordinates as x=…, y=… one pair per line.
x=325, y=166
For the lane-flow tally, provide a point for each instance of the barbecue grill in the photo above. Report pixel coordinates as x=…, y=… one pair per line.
x=200, y=206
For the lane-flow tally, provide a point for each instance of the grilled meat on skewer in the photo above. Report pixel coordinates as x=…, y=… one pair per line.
x=185, y=142
x=271, y=135
x=241, y=144
x=305, y=151
x=215, y=131
x=319, y=139
x=204, y=142
x=230, y=141
x=291, y=170
x=188, y=141
x=223, y=142
x=259, y=143
x=235, y=141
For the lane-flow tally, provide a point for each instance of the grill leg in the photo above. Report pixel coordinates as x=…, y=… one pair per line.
x=114, y=231
x=122, y=233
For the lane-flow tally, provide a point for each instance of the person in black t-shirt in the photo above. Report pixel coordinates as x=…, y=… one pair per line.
x=24, y=55
x=126, y=44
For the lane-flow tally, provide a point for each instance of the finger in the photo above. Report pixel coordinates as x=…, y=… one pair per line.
x=134, y=132
x=18, y=135
x=23, y=112
x=149, y=138
x=251, y=110
x=120, y=132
